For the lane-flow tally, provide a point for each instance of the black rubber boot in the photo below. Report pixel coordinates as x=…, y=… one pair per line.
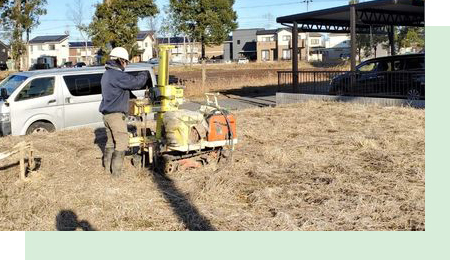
x=117, y=163
x=107, y=156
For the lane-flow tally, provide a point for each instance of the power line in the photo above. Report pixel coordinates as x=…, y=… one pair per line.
x=286, y=3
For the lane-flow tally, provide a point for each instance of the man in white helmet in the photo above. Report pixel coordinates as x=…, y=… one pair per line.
x=116, y=86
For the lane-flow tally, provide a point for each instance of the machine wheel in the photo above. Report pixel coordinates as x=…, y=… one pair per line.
x=166, y=165
x=169, y=167
x=136, y=161
x=40, y=128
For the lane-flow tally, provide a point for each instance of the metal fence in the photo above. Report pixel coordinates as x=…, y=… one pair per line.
x=391, y=84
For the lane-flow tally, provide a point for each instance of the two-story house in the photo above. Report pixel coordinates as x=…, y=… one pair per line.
x=52, y=50
x=273, y=45
x=82, y=52
x=244, y=43
x=144, y=42
x=4, y=51
x=184, y=49
x=315, y=43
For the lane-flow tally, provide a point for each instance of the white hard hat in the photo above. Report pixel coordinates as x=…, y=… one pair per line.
x=119, y=52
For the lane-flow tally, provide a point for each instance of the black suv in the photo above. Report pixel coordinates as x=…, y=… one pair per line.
x=400, y=76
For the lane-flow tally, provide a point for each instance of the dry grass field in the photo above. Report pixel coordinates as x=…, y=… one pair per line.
x=310, y=166
x=229, y=77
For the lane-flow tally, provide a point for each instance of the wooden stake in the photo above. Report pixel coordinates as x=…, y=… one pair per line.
x=22, y=164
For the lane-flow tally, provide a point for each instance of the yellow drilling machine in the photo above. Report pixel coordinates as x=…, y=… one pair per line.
x=181, y=138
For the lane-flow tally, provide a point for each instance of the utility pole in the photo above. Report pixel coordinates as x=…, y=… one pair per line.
x=307, y=34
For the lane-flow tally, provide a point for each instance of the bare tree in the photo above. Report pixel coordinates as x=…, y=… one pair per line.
x=75, y=13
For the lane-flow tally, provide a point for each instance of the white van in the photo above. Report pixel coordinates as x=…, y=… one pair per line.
x=48, y=100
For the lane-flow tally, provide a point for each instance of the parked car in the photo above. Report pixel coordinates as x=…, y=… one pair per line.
x=41, y=66
x=3, y=66
x=80, y=65
x=47, y=100
x=242, y=60
x=154, y=61
x=397, y=76
x=68, y=64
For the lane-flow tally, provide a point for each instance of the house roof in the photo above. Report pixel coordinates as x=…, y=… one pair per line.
x=2, y=43
x=143, y=34
x=49, y=38
x=173, y=40
x=315, y=35
x=267, y=32
x=80, y=44
x=250, y=29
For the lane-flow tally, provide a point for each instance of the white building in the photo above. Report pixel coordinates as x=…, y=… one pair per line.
x=337, y=47
x=52, y=49
x=144, y=41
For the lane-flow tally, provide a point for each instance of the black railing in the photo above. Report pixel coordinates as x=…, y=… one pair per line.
x=392, y=84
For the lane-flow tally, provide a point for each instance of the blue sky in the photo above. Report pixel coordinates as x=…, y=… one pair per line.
x=251, y=14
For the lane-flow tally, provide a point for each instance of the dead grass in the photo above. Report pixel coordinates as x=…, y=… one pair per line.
x=311, y=166
x=4, y=74
x=226, y=77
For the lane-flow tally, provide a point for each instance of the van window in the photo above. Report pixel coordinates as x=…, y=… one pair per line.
x=84, y=85
x=37, y=88
x=12, y=82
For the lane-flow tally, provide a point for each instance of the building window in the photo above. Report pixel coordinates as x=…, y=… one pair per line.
x=286, y=37
x=40, y=47
x=315, y=41
x=267, y=39
x=238, y=41
x=3, y=50
x=286, y=54
x=146, y=45
x=265, y=55
x=51, y=47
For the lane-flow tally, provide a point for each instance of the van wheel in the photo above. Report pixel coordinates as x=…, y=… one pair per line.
x=40, y=128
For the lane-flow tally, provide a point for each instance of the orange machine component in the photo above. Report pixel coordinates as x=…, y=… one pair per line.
x=218, y=127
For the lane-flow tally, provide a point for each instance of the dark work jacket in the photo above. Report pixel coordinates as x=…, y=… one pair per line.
x=116, y=86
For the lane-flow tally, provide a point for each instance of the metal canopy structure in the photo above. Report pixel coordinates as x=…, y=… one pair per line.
x=369, y=17
x=375, y=14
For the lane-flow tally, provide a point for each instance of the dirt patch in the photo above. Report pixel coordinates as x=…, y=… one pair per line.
x=311, y=166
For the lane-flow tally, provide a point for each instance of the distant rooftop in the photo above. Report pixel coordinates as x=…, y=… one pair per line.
x=49, y=38
x=173, y=40
x=80, y=44
x=266, y=32
x=143, y=34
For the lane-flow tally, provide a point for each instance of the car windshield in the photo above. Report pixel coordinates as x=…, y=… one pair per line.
x=12, y=82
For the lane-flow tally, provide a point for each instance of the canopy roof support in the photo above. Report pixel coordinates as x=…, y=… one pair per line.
x=377, y=17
